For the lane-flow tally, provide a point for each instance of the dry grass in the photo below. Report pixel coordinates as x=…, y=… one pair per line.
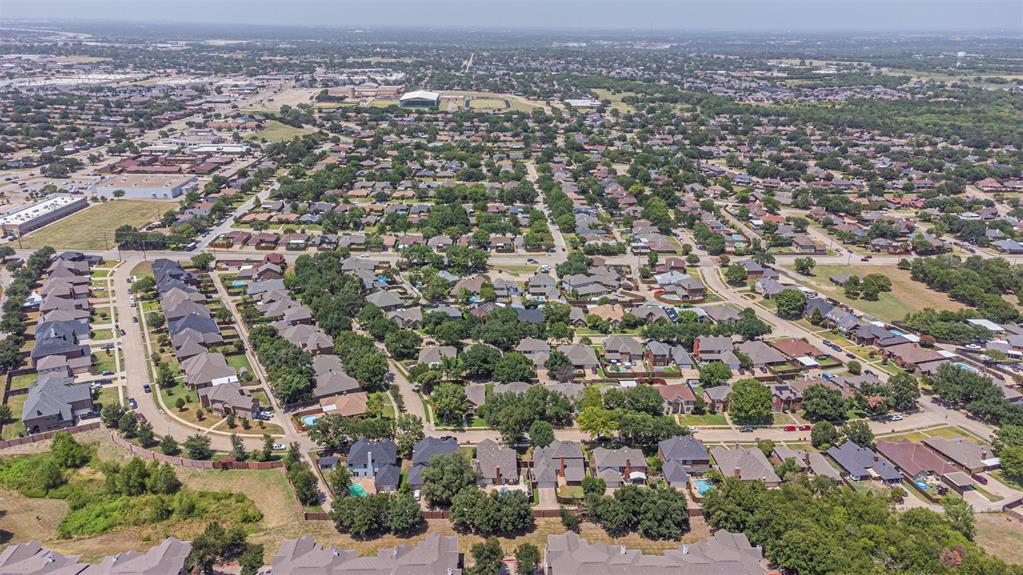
x=1000, y=535
x=93, y=228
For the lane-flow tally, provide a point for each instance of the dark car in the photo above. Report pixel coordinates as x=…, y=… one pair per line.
x=132, y=403
x=746, y=429
x=147, y=388
x=850, y=355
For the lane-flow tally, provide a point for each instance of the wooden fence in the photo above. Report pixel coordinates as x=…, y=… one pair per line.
x=144, y=453
x=35, y=438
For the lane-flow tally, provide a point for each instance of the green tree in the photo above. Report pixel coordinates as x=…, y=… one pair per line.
x=528, y=557
x=859, y=433
x=449, y=402
x=735, y=275
x=169, y=445
x=145, y=434
x=714, y=374
x=822, y=403
x=513, y=366
x=339, y=480
x=597, y=421
x=541, y=433
x=128, y=424
x=480, y=360
x=904, y=391
x=163, y=480
x=198, y=447
x=408, y=430
x=804, y=265
x=67, y=452
x=749, y=403
x=403, y=513
x=487, y=557
x=823, y=435
x=402, y=344
x=960, y=515
x=1012, y=462
x=445, y=476
x=791, y=303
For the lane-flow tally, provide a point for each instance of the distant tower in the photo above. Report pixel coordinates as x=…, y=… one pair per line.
x=959, y=58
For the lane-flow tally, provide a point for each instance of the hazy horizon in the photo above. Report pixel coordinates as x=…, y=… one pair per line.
x=660, y=15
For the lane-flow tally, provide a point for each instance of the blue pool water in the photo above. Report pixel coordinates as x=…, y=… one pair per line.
x=703, y=486
x=921, y=484
x=356, y=490
x=966, y=367
x=238, y=283
x=310, y=420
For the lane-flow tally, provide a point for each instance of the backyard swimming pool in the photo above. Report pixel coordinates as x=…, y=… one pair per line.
x=310, y=420
x=703, y=486
x=356, y=490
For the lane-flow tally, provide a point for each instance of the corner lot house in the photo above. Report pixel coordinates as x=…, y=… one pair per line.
x=968, y=456
x=55, y=402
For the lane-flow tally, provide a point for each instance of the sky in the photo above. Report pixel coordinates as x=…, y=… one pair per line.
x=696, y=15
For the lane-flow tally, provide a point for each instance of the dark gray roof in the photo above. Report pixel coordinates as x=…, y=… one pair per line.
x=683, y=448
x=384, y=452
x=859, y=461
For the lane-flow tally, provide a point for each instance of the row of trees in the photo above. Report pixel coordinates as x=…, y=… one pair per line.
x=653, y=513
x=14, y=320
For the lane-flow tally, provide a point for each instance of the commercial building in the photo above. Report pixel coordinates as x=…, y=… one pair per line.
x=419, y=99
x=34, y=216
x=145, y=186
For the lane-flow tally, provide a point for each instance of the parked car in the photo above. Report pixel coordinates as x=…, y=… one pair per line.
x=789, y=428
x=140, y=416
x=132, y=403
x=979, y=478
x=279, y=446
x=417, y=495
x=122, y=331
x=746, y=429
x=805, y=427
x=895, y=417
x=147, y=388
x=107, y=372
x=865, y=258
x=850, y=355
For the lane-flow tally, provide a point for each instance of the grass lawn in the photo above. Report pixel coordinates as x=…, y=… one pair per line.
x=102, y=334
x=239, y=362
x=705, y=419
x=109, y=395
x=949, y=432
x=615, y=99
x=100, y=315
x=103, y=361
x=906, y=295
x=278, y=132
x=516, y=269
x=23, y=381
x=93, y=228
x=12, y=429
x=170, y=396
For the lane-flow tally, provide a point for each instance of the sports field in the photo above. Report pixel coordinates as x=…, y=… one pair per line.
x=93, y=228
x=277, y=132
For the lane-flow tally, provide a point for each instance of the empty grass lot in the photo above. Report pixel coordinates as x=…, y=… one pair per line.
x=93, y=228
x=277, y=132
x=1001, y=536
x=906, y=295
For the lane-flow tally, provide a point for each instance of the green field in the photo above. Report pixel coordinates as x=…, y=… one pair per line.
x=278, y=132
x=93, y=228
x=906, y=295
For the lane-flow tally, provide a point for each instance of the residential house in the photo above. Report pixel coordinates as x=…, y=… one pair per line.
x=229, y=398
x=425, y=450
x=623, y=348
x=685, y=450
x=619, y=466
x=745, y=463
x=860, y=464
x=55, y=402
x=561, y=461
x=435, y=555
x=967, y=455
x=496, y=464
x=377, y=459
x=723, y=553
x=678, y=398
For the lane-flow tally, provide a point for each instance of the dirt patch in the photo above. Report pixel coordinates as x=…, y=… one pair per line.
x=24, y=519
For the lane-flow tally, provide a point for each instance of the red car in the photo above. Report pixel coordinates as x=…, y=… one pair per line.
x=790, y=428
x=805, y=427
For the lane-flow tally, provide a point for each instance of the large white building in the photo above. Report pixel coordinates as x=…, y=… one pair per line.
x=145, y=186
x=34, y=216
x=420, y=99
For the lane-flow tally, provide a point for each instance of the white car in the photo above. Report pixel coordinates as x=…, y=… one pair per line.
x=895, y=417
x=279, y=446
x=417, y=495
